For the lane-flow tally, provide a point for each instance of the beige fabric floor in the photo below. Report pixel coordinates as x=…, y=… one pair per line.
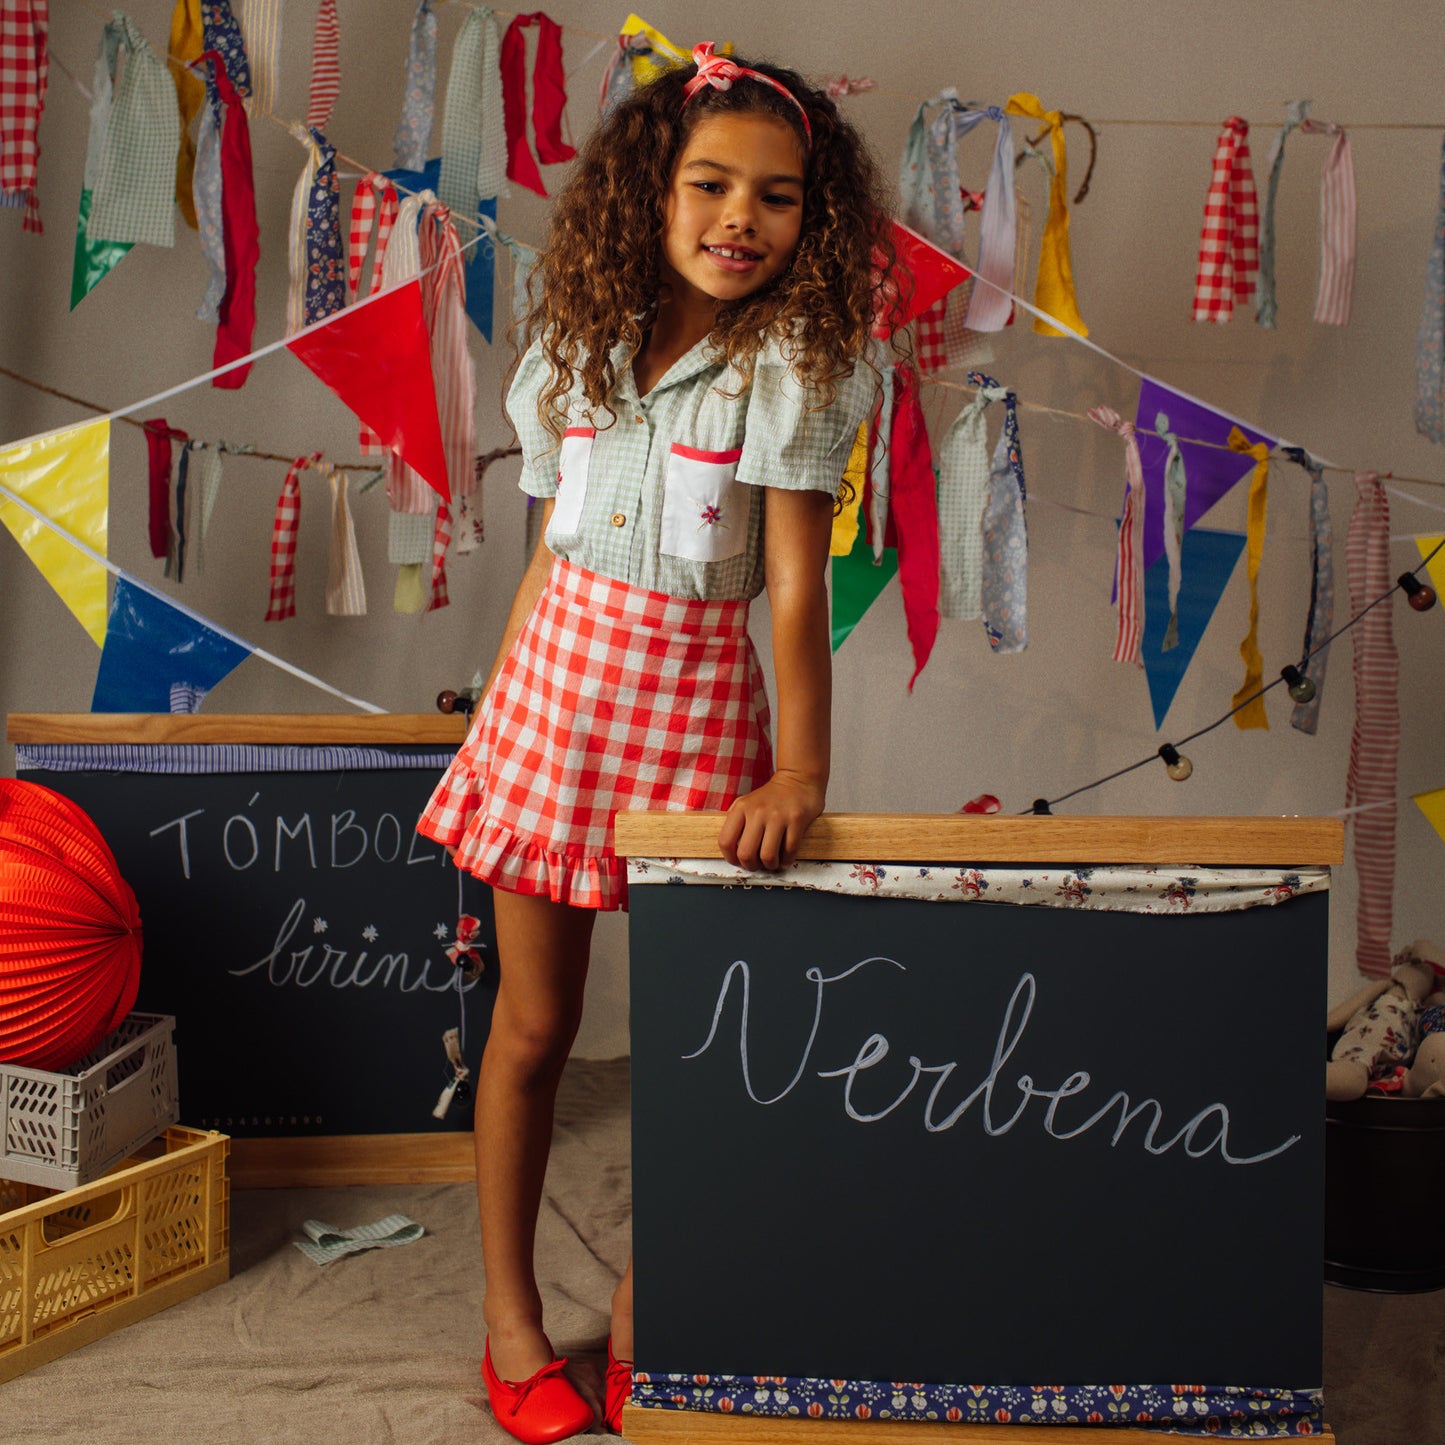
x=382, y=1348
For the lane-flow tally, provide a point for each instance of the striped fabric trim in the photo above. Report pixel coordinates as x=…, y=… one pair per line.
x=224, y=758
x=261, y=27
x=345, y=586
x=1375, y=743
x=1337, y=227
x=325, y=67
x=1129, y=564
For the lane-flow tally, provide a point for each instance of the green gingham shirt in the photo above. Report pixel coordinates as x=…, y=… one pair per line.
x=685, y=522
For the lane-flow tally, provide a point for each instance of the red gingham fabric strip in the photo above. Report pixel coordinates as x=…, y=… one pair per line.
x=325, y=67
x=441, y=540
x=931, y=353
x=649, y=701
x=365, y=208
x=1129, y=564
x=283, y=543
x=1229, y=241
x=24, y=78
x=1375, y=742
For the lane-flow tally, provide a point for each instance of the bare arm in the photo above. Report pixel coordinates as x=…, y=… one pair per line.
x=764, y=828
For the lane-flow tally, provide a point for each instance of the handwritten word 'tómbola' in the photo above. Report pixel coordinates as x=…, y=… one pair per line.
x=1206, y=1131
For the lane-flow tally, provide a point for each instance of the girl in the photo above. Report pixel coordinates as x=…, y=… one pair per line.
x=686, y=411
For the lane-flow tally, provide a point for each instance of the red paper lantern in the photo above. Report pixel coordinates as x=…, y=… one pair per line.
x=70, y=934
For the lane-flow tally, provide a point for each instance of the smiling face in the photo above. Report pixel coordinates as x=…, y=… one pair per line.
x=734, y=209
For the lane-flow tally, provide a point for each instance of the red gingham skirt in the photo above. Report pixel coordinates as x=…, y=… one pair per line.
x=613, y=697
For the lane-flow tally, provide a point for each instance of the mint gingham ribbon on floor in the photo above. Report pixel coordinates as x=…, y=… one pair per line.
x=325, y=67
x=1321, y=621
x=1375, y=743
x=1430, y=337
x=325, y=1243
x=418, y=109
x=1005, y=534
x=1175, y=491
x=135, y=183
x=474, y=145
x=963, y=477
x=1129, y=561
x=24, y=79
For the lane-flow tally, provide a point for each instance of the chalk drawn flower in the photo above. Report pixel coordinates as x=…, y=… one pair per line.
x=318, y=925
x=369, y=933
x=440, y=931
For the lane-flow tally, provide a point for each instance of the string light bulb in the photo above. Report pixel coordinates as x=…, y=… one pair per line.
x=1175, y=763
x=1420, y=595
x=1301, y=687
x=1041, y=808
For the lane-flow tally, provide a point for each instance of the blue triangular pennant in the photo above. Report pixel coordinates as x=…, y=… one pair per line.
x=1207, y=560
x=157, y=657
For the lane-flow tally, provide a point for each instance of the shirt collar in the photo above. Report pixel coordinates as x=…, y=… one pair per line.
x=687, y=366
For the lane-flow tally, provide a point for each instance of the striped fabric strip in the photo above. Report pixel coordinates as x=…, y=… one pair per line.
x=444, y=293
x=1252, y=714
x=197, y=758
x=441, y=540
x=1265, y=306
x=325, y=67
x=1337, y=227
x=1229, y=241
x=1430, y=336
x=1129, y=563
x=24, y=79
x=261, y=26
x=413, y=130
x=1175, y=492
x=283, y=543
x=365, y=208
x=345, y=586
x=1374, y=744
x=1305, y=716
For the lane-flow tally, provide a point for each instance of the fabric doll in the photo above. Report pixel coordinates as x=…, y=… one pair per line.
x=1380, y=1024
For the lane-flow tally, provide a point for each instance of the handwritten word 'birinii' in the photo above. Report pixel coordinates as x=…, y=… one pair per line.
x=1208, y=1130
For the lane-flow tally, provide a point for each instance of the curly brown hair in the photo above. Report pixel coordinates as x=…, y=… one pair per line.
x=596, y=282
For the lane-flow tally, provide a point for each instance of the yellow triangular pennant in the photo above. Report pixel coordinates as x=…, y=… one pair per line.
x=65, y=477
x=1437, y=568
x=845, y=522
x=1433, y=807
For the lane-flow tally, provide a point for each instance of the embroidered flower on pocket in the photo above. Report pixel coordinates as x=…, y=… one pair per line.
x=711, y=516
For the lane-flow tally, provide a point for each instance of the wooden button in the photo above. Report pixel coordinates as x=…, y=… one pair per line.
x=618, y=519
x=639, y=419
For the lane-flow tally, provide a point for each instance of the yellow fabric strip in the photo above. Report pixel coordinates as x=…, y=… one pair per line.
x=1054, y=289
x=1254, y=715
x=187, y=39
x=845, y=523
x=1437, y=568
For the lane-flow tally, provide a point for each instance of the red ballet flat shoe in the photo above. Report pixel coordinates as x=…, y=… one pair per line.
x=618, y=1391
x=539, y=1410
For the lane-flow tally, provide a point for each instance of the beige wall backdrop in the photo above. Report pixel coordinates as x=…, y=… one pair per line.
x=1057, y=716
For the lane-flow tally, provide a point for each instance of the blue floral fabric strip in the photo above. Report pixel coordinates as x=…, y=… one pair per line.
x=1222, y=1412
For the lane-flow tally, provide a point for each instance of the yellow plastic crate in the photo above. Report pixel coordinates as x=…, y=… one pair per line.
x=78, y=1264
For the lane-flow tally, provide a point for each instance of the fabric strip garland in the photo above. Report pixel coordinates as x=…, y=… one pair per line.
x=1175, y=497
x=474, y=136
x=261, y=25
x=282, y=603
x=1129, y=562
x=1265, y=306
x=376, y=200
x=549, y=99
x=1229, y=242
x=1251, y=714
x=963, y=468
x=186, y=44
x=915, y=519
x=1005, y=534
x=1337, y=227
x=159, y=437
x=1430, y=336
x=413, y=130
x=325, y=67
x=241, y=236
x=345, y=586
x=1375, y=742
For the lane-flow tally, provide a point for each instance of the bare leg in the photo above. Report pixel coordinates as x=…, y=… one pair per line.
x=544, y=950
x=622, y=1317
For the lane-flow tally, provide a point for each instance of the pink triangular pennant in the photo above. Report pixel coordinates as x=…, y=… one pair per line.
x=376, y=357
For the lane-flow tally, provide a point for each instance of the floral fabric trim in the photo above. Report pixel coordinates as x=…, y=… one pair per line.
x=1224, y=1411
x=1118, y=889
x=224, y=757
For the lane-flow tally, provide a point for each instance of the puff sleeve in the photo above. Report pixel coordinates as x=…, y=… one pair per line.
x=539, y=447
x=788, y=441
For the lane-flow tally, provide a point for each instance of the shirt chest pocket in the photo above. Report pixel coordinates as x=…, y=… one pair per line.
x=704, y=506
x=574, y=460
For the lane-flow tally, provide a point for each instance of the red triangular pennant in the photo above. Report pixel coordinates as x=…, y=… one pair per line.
x=931, y=274
x=377, y=358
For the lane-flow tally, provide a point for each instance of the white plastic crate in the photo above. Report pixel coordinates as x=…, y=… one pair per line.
x=60, y=1130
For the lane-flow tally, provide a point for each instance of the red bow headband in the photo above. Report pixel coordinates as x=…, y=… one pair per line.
x=720, y=72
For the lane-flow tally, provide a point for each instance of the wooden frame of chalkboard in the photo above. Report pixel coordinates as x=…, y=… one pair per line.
x=278, y=1158
x=752, y=1199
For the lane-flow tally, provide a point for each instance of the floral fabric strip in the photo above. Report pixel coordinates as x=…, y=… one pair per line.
x=1129, y=561
x=1375, y=742
x=1175, y=494
x=1229, y=242
x=1430, y=336
x=1004, y=591
x=413, y=130
x=1321, y=621
x=1214, y=1411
